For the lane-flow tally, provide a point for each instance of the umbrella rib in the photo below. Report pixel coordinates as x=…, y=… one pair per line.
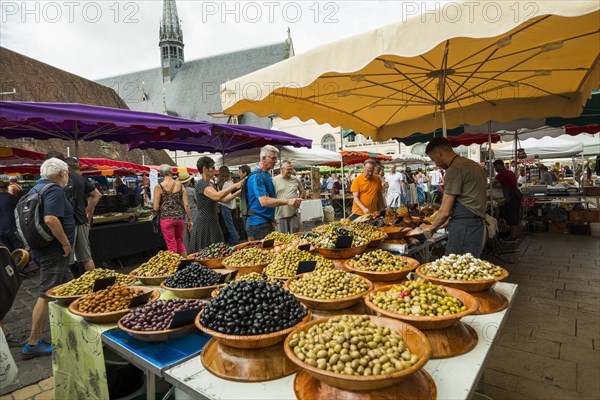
x=393, y=94
x=320, y=105
x=471, y=75
x=475, y=94
x=589, y=71
x=31, y=125
x=427, y=61
x=373, y=84
x=535, y=47
x=521, y=29
x=417, y=85
x=405, y=65
x=497, y=75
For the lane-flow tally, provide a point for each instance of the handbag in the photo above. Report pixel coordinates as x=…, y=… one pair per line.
x=10, y=281
x=156, y=217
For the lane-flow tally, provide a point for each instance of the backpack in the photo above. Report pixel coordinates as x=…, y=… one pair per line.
x=29, y=216
x=244, y=206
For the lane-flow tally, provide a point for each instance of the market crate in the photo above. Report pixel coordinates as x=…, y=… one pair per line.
x=584, y=216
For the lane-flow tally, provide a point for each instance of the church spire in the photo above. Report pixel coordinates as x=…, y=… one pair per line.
x=171, y=41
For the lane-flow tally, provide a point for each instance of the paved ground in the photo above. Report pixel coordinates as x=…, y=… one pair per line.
x=549, y=349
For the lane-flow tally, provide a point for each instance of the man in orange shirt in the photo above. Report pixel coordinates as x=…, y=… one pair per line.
x=367, y=191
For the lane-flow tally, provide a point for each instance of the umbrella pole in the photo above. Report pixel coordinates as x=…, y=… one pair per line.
x=490, y=167
x=444, y=128
x=516, y=157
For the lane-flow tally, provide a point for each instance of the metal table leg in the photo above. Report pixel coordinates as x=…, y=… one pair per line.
x=150, y=386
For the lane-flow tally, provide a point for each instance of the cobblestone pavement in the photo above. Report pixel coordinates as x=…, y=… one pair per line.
x=549, y=348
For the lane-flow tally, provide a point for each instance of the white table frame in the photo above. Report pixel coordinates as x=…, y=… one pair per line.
x=455, y=378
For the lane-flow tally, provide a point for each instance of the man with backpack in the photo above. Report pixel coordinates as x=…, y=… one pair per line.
x=262, y=198
x=50, y=239
x=83, y=196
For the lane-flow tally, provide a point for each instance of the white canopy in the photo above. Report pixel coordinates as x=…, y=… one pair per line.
x=407, y=159
x=298, y=156
x=539, y=148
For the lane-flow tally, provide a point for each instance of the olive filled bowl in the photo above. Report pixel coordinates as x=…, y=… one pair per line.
x=471, y=286
x=191, y=293
x=426, y=322
x=250, y=341
x=243, y=270
x=389, y=276
x=415, y=340
x=158, y=336
x=151, y=280
x=66, y=300
x=329, y=304
x=394, y=232
x=338, y=254
x=112, y=316
x=212, y=263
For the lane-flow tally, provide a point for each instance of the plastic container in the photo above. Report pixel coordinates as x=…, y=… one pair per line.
x=595, y=228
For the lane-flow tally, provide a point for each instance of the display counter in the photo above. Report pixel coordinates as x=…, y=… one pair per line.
x=120, y=239
x=78, y=359
x=455, y=378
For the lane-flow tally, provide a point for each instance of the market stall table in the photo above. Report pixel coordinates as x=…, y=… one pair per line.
x=455, y=378
x=154, y=358
x=112, y=241
x=78, y=359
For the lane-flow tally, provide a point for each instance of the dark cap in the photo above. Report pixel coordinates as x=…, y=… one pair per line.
x=72, y=162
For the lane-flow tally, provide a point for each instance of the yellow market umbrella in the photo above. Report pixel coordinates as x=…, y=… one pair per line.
x=479, y=62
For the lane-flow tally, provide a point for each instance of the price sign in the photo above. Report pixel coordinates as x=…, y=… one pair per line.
x=305, y=247
x=139, y=300
x=103, y=283
x=184, y=317
x=229, y=277
x=306, y=266
x=267, y=244
x=343, y=242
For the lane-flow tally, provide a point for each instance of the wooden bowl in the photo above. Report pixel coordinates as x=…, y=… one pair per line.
x=467, y=286
x=108, y=317
x=429, y=323
x=391, y=276
x=191, y=293
x=151, y=280
x=415, y=340
x=66, y=300
x=212, y=263
x=329, y=304
x=342, y=253
x=243, y=270
x=158, y=336
x=250, y=341
x=394, y=232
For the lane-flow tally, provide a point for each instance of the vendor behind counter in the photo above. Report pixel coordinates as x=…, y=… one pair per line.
x=464, y=202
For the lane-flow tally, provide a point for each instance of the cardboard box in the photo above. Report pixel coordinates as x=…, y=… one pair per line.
x=584, y=216
x=558, y=227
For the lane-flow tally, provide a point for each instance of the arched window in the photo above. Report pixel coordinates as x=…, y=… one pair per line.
x=419, y=149
x=328, y=142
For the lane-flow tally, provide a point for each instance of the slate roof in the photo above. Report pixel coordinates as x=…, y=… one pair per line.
x=34, y=80
x=195, y=90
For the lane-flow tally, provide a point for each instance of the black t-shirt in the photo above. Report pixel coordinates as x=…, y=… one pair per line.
x=8, y=203
x=77, y=191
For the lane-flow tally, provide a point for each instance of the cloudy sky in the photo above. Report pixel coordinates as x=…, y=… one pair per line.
x=97, y=39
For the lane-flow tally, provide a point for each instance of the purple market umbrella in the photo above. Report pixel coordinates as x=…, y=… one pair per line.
x=226, y=138
x=138, y=129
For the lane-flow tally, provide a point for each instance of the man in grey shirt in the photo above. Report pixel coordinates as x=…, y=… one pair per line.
x=464, y=201
x=288, y=186
x=546, y=178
